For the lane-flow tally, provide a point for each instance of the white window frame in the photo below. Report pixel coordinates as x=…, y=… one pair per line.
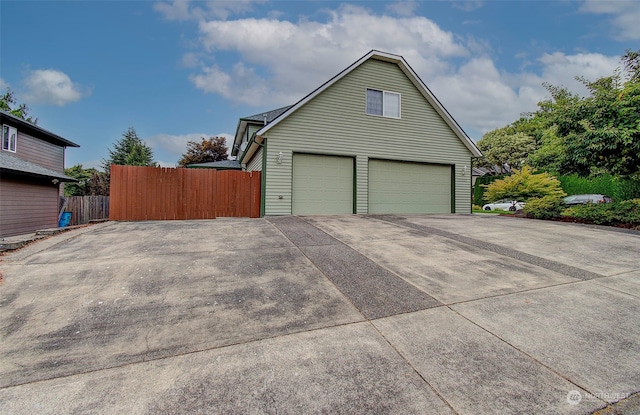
x=366, y=109
x=11, y=145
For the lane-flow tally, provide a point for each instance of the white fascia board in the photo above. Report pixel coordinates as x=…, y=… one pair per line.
x=252, y=149
x=440, y=109
x=237, y=140
x=314, y=93
x=415, y=79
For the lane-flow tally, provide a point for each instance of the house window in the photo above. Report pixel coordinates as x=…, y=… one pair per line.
x=9, y=138
x=383, y=103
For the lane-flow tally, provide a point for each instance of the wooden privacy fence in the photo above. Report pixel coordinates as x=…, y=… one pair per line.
x=86, y=208
x=154, y=193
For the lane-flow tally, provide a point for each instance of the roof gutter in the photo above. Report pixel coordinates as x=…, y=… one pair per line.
x=256, y=142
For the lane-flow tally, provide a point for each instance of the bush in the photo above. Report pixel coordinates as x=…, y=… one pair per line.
x=479, y=189
x=618, y=189
x=525, y=185
x=625, y=212
x=546, y=207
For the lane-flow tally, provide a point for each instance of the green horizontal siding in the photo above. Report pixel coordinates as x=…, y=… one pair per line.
x=256, y=161
x=335, y=123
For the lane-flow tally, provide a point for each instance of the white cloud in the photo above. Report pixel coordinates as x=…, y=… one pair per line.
x=190, y=60
x=403, y=7
x=279, y=62
x=468, y=6
x=483, y=98
x=3, y=86
x=49, y=86
x=561, y=69
x=309, y=52
x=478, y=96
x=219, y=9
x=625, y=16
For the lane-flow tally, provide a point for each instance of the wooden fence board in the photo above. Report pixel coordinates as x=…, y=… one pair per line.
x=86, y=208
x=152, y=193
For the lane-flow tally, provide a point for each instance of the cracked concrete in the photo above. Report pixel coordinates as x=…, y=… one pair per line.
x=336, y=314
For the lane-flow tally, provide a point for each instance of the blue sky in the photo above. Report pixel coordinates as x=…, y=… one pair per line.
x=179, y=70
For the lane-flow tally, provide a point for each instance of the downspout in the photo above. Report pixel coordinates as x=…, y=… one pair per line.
x=263, y=178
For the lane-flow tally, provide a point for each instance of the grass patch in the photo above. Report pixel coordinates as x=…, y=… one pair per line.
x=493, y=212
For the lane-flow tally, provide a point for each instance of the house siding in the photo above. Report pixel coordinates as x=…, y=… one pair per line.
x=335, y=123
x=40, y=152
x=256, y=162
x=27, y=205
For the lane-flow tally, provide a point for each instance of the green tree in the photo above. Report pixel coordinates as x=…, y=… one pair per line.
x=551, y=151
x=130, y=150
x=502, y=146
x=596, y=134
x=207, y=150
x=524, y=185
x=91, y=182
x=8, y=104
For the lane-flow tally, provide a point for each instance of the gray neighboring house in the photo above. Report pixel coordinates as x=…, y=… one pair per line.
x=31, y=174
x=373, y=139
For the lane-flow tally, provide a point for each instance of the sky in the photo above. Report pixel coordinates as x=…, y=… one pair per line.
x=177, y=71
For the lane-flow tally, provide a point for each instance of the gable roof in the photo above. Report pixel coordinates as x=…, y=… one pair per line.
x=34, y=131
x=408, y=71
x=259, y=119
x=12, y=164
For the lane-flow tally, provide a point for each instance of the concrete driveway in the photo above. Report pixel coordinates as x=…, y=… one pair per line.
x=338, y=314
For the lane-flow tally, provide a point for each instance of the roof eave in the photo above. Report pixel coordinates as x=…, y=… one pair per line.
x=60, y=178
x=406, y=68
x=252, y=149
x=63, y=142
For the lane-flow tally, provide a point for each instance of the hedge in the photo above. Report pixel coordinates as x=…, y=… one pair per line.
x=618, y=189
x=625, y=212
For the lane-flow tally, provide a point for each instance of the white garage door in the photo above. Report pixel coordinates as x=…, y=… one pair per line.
x=322, y=185
x=397, y=187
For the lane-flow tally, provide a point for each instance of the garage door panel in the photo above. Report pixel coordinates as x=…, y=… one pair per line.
x=396, y=187
x=322, y=185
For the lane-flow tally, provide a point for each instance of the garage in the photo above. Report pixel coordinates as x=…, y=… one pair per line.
x=403, y=188
x=322, y=185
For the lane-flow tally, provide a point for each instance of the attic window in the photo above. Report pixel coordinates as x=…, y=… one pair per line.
x=9, y=138
x=383, y=103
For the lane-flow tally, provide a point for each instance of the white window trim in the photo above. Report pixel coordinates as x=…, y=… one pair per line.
x=15, y=142
x=383, y=92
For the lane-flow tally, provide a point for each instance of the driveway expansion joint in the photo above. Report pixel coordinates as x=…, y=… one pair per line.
x=373, y=290
x=549, y=264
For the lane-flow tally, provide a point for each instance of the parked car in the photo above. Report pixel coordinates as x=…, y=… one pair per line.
x=584, y=199
x=504, y=204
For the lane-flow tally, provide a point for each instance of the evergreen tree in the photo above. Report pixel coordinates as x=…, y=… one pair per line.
x=130, y=150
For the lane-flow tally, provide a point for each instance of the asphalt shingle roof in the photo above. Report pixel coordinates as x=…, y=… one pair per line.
x=271, y=115
x=9, y=162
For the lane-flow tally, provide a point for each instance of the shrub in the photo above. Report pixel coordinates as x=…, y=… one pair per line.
x=525, y=185
x=546, y=207
x=479, y=189
x=625, y=212
x=617, y=188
